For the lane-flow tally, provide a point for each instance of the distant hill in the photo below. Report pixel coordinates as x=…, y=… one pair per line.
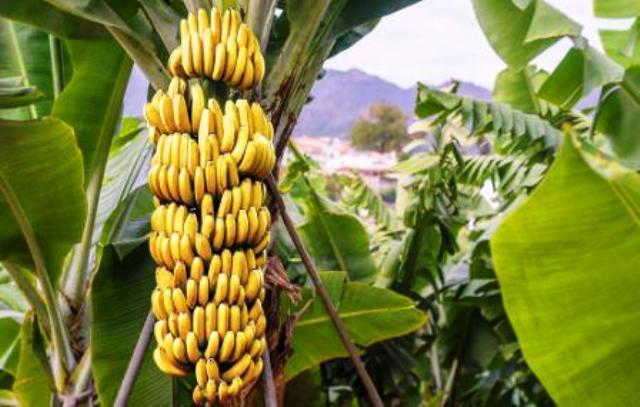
x=340, y=97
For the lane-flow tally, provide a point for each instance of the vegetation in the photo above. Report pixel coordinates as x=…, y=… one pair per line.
x=501, y=278
x=382, y=129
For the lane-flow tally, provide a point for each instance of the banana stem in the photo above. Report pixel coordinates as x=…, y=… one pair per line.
x=17, y=53
x=136, y=361
x=267, y=379
x=62, y=357
x=372, y=393
x=57, y=73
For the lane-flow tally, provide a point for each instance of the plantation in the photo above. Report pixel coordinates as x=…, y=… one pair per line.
x=195, y=255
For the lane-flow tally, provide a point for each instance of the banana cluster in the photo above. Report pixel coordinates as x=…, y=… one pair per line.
x=210, y=226
x=219, y=47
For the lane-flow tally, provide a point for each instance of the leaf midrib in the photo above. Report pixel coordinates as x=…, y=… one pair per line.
x=353, y=314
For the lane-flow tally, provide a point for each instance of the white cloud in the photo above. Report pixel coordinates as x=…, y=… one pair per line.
x=436, y=40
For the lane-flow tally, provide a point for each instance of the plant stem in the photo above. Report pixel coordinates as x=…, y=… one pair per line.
x=63, y=360
x=30, y=293
x=267, y=380
x=136, y=361
x=17, y=52
x=259, y=19
x=372, y=393
x=57, y=72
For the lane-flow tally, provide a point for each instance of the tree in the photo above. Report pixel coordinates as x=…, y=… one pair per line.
x=382, y=129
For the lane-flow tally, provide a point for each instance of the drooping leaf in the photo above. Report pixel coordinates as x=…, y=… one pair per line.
x=619, y=117
x=518, y=35
x=616, y=8
x=100, y=73
x=41, y=164
x=482, y=116
x=42, y=14
x=370, y=315
x=33, y=384
x=623, y=46
x=513, y=87
x=358, y=195
x=25, y=46
x=582, y=70
x=566, y=261
x=119, y=307
x=337, y=240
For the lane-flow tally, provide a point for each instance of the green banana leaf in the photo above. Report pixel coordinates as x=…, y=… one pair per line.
x=567, y=263
x=619, y=117
x=9, y=341
x=520, y=34
x=370, y=314
x=616, y=8
x=24, y=51
x=41, y=177
x=337, y=240
x=623, y=46
x=91, y=102
x=33, y=383
x=119, y=305
x=41, y=14
x=13, y=93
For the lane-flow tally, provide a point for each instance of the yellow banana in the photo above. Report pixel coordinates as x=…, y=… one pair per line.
x=212, y=369
x=222, y=289
x=185, y=250
x=261, y=325
x=198, y=395
x=224, y=207
x=179, y=300
x=226, y=25
x=240, y=346
x=193, y=351
x=196, y=53
x=221, y=173
x=165, y=366
x=220, y=62
x=222, y=320
x=208, y=52
x=199, y=185
x=232, y=170
x=232, y=56
x=199, y=325
x=203, y=291
x=213, y=345
x=238, y=368
x=240, y=144
x=210, y=176
x=218, y=234
x=253, y=224
x=243, y=35
x=263, y=243
x=210, y=314
x=179, y=218
x=196, y=269
x=234, y=289
x=184, y=324
x=192, y=293
x=201, y=372
x=253, y=284
x=203, y=20
x=245, y=192
x=206, y=206
x=234, y=317
x=160, y=329
x=175, y=63
x=229, y=230
x=227, y=262
x=256, y=310
x=208, y=224
x=210, y=391
x=157, y=304
x=186, y=190
x=180, y=114
x=172, y=182
x=193, y=157
x=263, y=225
x=242, y=227
x=180, y=350
x=255, y=348
x=226, y=349
x=197, y=104
x=248, y=76
x=174, y=326
x=259, y=68
x=157, y=218
x=152, y=115
x=166, y=114
x=257, y=194
x=214, y=270
x=216, y=24
x=249, y=159
x=191, y=227
x=203, y=247
x=180, y=275
x=241, y=63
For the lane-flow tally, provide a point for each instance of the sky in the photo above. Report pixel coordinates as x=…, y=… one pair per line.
x=437, y=40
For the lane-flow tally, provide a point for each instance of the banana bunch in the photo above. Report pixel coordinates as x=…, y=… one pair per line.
x=219, y=47
x=210, y=226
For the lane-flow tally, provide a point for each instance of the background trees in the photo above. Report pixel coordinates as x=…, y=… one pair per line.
x=382, y=129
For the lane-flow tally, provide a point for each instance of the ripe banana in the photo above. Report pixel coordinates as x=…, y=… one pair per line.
x=210, y=227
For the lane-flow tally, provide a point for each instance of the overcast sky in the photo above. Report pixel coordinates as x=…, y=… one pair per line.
x=436, y=40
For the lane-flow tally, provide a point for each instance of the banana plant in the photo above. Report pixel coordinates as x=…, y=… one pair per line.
x=74, y=204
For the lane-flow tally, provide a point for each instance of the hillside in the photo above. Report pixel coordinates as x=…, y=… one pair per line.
x=340, y=97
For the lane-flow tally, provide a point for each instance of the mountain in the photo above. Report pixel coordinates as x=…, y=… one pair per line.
x=340, y=97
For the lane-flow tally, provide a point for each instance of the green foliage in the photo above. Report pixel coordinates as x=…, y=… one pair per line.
x=382, y=129
x=370, y=315
x=567, y=277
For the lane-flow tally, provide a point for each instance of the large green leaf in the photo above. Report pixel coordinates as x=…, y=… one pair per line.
x=100, y=73
x=41, y=14
x=32, y=385
x=623, y=46
x=119, y=305
x=41, y=165
x=581, y=70
x=514, y=87
x=9, y=342
x=24, y=51
x=14, y=93
x=370, y=314
x=616, y=8
x=619, y=117
x=337, y=240
x=518, y=35
x=567, y=263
